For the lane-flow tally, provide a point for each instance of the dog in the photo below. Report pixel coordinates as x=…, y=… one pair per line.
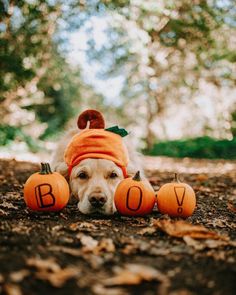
x=93, y=180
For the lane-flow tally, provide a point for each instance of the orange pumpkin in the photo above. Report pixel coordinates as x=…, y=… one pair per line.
x=134, y=197
x=46, y=191
x=177, y=199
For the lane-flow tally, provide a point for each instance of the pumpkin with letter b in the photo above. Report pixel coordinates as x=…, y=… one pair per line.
x=46, y=190
x=177, y=199
x=134, y=197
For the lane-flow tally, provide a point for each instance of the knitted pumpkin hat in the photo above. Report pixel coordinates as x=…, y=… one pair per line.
x=96, y=142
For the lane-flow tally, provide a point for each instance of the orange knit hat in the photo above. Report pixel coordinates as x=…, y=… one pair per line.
x=96, y=142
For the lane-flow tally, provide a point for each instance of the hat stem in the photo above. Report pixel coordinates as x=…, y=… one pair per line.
x=94, y=117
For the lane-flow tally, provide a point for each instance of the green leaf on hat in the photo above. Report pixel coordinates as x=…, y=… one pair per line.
x=120, y=131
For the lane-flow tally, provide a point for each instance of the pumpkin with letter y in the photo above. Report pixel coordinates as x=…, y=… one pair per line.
x=46, y=190
x=134, y=197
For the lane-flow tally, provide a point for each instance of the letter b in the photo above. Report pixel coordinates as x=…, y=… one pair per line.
x=44, y=196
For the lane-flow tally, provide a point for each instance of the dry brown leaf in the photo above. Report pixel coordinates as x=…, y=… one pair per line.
x=231, y=206
x=66, y=250
x=3, y=213
x=8, y=205
x=1, y=278
x=43, y=264
x=129, y=249
x=18, y=276
x=202, y=177
x=206, y=244
x=50, y=271
x=58, y=278
x=82, y=225
x=21, y=229
x=181, y=292
x=12, y=289
x=134, y=274
x=105, y=245
x=180, y=228
x=90, y=245
x=147, y=230
x=99, y=289
x=193, y=243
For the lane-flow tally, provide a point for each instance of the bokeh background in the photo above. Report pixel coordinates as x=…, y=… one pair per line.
x=164, y=70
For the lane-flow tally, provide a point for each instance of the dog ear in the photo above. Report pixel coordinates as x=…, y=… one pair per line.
x=62, y=168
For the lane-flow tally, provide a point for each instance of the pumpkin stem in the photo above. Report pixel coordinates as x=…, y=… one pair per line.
x=45, y=169
x=49, y=168
x=176, y=178
x=137, y=176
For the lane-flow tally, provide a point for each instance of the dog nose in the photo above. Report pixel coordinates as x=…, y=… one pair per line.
x=97, y=200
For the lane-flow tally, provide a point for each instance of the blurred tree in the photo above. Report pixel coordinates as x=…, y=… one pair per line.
x=39, y=90
x=168, y=51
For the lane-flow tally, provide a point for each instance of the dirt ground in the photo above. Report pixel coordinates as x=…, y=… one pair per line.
x=69, y=253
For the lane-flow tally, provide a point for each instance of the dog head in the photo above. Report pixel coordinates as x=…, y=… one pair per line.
x=93, y=182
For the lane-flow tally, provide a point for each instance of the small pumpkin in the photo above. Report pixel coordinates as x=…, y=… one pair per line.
x=177, y=199
x=46, y=190
x=134, y=197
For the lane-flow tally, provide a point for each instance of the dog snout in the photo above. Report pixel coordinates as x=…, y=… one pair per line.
x=97, y=200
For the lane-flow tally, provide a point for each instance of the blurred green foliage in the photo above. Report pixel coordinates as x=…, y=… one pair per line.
x=39, y=90
x=201, y=147
x=10, y=134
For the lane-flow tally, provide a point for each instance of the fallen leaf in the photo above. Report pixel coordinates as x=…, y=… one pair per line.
x=134, y=274
x=43, y=264
x=66, y=250
x=21, y=229
x=105, y=245
x=181, y=292
x=202, y=177
x=129, y=249
x=1, y=278
x=82, y=226
x=193, y=243
x=205, y=244
x=50, y=271
x=56, y=228
x=89, y=243
x=147, y=231
x=58, y=278
x=232, y=204
x=12, y=289
x=180, y=228
x=102, y=222
x=99, y=289
x=159, y=252
x=18, y=276
x=63, y=216
x=94, y=246
x=3, y=213
x=8, y=205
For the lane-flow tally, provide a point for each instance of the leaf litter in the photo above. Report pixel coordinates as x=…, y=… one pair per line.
x=119, y=255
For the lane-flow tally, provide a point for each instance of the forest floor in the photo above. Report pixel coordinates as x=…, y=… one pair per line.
x=69, y=253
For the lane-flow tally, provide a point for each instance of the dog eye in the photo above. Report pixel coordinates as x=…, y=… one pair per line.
x=82, y=175
x=113, y=175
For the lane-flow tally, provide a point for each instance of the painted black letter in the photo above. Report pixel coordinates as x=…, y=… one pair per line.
x=41, y=197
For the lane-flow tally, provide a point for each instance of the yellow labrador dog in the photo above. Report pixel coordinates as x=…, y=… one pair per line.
x=93, y=181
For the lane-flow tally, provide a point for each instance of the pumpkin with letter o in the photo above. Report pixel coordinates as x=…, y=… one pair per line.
x=177, y=199
x=46, y=190
x=134, y=197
